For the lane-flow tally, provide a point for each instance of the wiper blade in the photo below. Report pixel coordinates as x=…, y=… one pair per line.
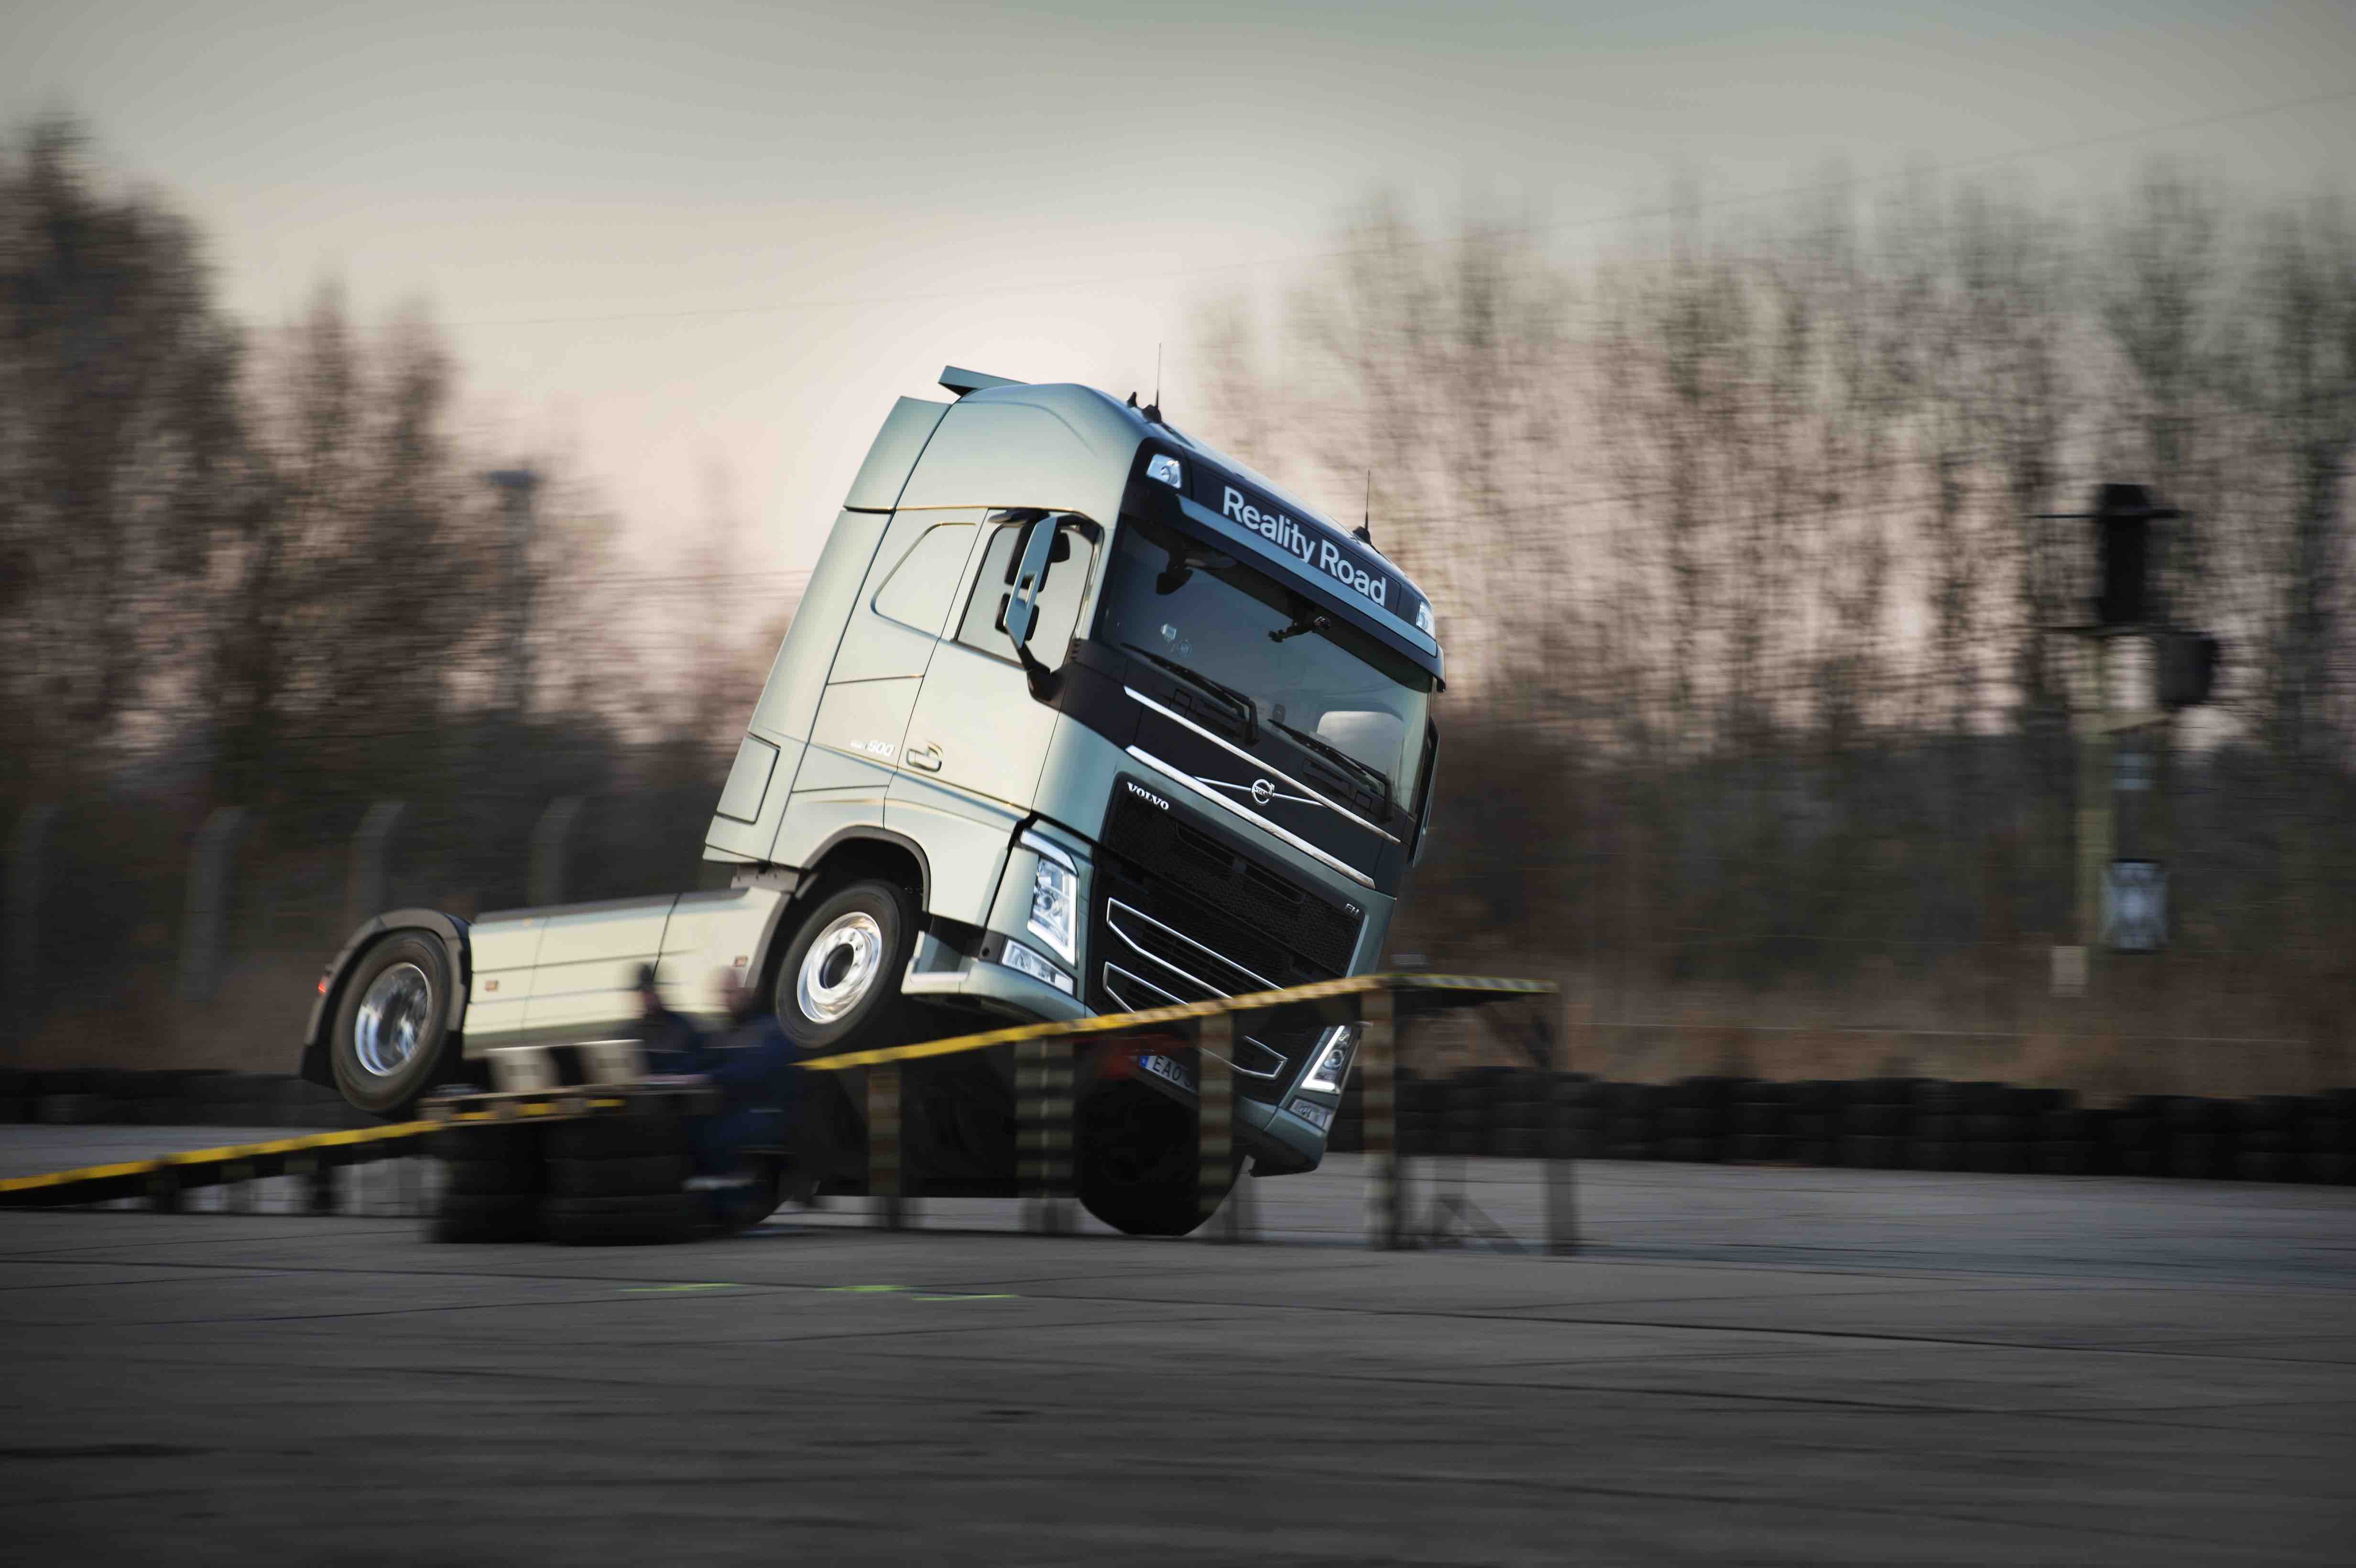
x=1381, y=780
x=1244, y=705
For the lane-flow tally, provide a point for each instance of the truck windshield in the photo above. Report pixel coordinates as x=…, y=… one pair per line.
x=1190, y=604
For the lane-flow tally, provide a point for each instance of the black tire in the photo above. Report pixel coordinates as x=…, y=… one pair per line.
x=630, y=1175
x=1934, y=1154
x=652, y=1221
x=1134, y=1160
x=491, y=1177
x=2063, y=1156
x=1866, y=1151
x=1997, y=1158
x=369, y=1078
x=476, y=1217
x=617, y=1137
x=876, y=1016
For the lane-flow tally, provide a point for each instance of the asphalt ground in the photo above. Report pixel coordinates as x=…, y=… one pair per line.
x=1745, y=1365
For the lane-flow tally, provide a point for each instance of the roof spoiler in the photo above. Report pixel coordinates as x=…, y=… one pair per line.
x=964, y=381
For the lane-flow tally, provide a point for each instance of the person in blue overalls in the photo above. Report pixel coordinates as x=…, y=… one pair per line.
x=753, y=1066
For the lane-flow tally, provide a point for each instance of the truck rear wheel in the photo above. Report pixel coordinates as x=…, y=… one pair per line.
x=386, y=1047
x=839, y=987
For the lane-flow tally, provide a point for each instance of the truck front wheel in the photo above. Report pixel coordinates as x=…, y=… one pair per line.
x=390, y=1028
x=1135, y=1160
x=839, y=987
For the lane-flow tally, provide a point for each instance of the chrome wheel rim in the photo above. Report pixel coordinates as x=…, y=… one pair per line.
x=840, y=968
x=392, y=1021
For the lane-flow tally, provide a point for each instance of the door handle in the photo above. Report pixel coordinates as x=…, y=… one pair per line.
x=925, y=757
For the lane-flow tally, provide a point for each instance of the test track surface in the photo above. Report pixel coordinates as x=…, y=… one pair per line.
x=1755, y=1366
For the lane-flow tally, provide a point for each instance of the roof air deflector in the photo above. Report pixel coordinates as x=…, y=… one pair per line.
x=964, y=381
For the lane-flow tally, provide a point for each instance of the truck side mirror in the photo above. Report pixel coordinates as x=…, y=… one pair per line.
x=1023, y=603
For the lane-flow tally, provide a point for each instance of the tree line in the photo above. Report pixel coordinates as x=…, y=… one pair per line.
x=1741, y=538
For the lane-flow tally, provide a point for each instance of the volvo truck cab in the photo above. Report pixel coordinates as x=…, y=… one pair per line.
x=1077, y=716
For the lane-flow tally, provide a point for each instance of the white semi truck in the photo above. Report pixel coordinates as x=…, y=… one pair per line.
x=1076, y=717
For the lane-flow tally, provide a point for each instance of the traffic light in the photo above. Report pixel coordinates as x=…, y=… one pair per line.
x=2187, y=667
x=2123, y=518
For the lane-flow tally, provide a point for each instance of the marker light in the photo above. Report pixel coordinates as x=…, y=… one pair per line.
x=1054, y=906
x=1425, y=623
x=1023, y=961
x=1166, y=468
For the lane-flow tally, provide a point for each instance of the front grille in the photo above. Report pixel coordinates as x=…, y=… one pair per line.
x=1181, y=915
x=1266, y=909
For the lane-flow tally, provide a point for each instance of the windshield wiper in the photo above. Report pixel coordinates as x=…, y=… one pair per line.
x=1381, y=780
x=1244, y=705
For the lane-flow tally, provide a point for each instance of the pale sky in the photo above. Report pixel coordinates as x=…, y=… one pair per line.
x=718, y=237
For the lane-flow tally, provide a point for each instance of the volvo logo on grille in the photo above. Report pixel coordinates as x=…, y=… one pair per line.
x=1262, y=792
x=1147, y=796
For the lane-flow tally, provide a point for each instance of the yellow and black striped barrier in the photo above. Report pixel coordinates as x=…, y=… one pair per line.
x=161, y=1180
x=1044, y=1111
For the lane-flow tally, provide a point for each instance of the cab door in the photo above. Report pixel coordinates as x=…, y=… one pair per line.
x=977, y=739
x=871, y=687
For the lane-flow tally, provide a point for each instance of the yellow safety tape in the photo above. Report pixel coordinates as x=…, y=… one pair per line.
x=1113, y=1023
x=227, y=1153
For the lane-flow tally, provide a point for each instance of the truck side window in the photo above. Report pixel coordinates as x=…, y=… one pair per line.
x=918, y=592
x=1059, y=596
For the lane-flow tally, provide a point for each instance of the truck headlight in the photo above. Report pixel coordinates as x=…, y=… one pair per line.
x=1021, y=960
x=1331, y=1067
x=1054, y=909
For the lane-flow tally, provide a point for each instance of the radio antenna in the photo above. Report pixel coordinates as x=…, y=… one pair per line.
x=1366, y=529
x=1152, y=410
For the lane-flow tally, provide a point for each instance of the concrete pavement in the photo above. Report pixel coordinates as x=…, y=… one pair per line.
x=1751, y=1366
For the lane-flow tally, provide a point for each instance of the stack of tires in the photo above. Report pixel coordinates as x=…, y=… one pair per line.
x=1876, y=1122
x=1631, y=1123
x=1696, y=1119
x=491, y=1177
x=1576, y=1131
x=2330, y=1141
x=1521, y=1108
x=1934, y=1134
x=2137, y=1135
x=2269, y=1139
x=2069, y=1139
x=1465, y=1112
x=1996, y=1128
x=2198, y=1146
x=1815, y=1121
x=1417, y=1104
x=1759, y=1120
x=619, y=1182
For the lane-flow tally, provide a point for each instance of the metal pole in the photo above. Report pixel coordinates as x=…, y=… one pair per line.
x=1561, y=1195
x=883, y=1145
x=1378, y=1061
x=365, y=881
x=204, y=937
x=28, y=846
x=1215, y=1043
x=1042, y=1077
x=2094, y=805
x=545, y=874
x=517, y=487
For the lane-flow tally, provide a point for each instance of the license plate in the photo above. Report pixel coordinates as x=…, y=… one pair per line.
x=1168, y=1068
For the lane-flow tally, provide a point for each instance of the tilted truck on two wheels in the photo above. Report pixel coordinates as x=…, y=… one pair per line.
x=1076, y=717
